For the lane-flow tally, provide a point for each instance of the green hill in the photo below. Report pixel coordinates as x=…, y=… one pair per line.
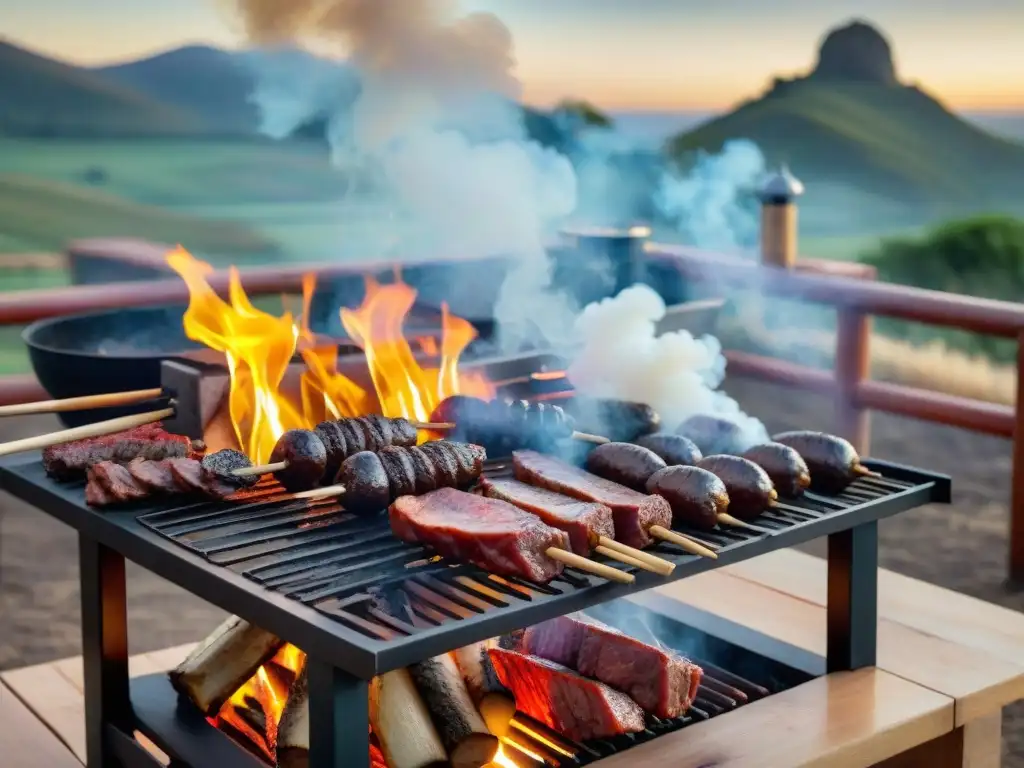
x=43, y=97
x=851, y=122
x=44, y=215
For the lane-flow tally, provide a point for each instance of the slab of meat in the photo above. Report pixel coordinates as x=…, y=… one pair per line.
x=489, y=533
x=633, y=513
x=110, y=483
x=584, y=521
x=661, y=681
x=69, y=461
x=575, y=706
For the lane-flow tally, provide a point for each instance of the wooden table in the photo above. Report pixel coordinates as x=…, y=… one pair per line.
x=947, y=665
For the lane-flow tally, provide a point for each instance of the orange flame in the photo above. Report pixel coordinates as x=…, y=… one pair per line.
x=259, y=346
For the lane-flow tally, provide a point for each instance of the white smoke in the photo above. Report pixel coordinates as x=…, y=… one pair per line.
x=621, y=356
x=436, y=118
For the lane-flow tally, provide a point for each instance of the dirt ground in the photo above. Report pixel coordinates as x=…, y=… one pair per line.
x=961, y=547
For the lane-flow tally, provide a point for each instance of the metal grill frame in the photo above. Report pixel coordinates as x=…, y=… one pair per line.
x=339, y=697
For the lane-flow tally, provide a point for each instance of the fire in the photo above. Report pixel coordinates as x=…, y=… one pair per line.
x=267, y=693
x=259, y=346
x=502, y=759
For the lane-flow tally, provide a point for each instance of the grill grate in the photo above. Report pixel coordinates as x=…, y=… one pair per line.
x=349, y=567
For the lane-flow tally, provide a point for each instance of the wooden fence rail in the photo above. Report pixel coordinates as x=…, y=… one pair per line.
x=856, y=300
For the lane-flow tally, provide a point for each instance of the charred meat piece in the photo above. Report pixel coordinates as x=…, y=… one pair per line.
x=660, y=681
x=750, y=489
x=306, y=456
x=697, y=497
x=786, y=468
x=633, y=513
x=110, y=483
x=674, y=450
x=585, y=521
x=373, y=480
x=502, y=426
x=618, y=420
x=714, y=434
x=69, y=461
x=575, y=706
x=489, y=533
x=624, y=463
x=223, y=463
x=344, y=437
x=832, y=461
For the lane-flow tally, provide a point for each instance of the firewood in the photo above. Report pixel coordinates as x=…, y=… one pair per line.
x=402, y=723
x=223, y=663
x=293, y=730
x=465, y=736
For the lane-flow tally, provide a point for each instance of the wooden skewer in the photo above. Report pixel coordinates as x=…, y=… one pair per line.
x=862, y=471
x=681, y=541
x=434, y=426
x=597, y=569
x=98, y=429
x=260, y=469
x=82, y=403
x=586, y=437
x=320, y=493
x=650, y=562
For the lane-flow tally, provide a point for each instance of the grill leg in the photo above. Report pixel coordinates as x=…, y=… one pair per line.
x=852, y=598
x=104, y=651
x=339, y=718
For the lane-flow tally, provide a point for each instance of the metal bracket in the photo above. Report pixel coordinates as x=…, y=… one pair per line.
x=852, y=598
x=339, y=717
x=197, y=390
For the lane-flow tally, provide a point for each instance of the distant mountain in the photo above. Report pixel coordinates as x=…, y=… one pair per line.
x=43, y=97
x=852, y=122
x=210, y=83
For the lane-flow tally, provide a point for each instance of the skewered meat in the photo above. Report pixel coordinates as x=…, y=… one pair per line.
x=584, y=521
x=624, y=463
x=575, y=706
x=750, y=489
x=502, y=426
x=344, y=437
x=224, y=462
x=373, y=480
x=714, y=435
x=697, y=497
x=489, y=533
x=69, y=461
x=674, y=450
x=618, y=420
x=109, y=483
x=784, y=466
x=832, y=461
x=306, y=458
x=660, y=681
x=633, y=513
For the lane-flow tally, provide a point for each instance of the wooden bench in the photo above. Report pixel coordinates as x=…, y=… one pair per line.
x=947, y=665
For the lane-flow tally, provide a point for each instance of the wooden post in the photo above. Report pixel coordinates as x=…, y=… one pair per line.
x=1017, y=477
x=778, y=196
x=852, y=366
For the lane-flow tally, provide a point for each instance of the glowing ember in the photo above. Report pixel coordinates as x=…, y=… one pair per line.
x=258, y=347
x=503, y=760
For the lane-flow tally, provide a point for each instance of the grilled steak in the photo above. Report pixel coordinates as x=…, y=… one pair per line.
x=109, y=483
x=154, y=476
x=579, y=708
x=489, y=533
x=662, y=682
x=69, y=461
x=633, y=513
x=584, y=521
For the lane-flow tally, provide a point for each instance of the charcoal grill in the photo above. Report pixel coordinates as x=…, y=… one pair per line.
x=309, y=575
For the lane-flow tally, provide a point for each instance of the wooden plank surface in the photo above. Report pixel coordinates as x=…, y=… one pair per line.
x=25, y=742
x=846, y=720
x=980, y=683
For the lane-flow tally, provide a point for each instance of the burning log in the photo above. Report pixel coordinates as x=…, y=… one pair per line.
x=293, y=730
x=408, y=738
x=465, y=736
x=223, y=663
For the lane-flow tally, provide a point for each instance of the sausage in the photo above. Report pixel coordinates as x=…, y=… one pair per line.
x=502, y=426
x=833, y=462
x=675, y=450
x=786, y=468
x=618, y=420
x=367, y=489
x=624, y=463
x=714, y=435
x=697, y=497
x=306, y=458
x=750, y=489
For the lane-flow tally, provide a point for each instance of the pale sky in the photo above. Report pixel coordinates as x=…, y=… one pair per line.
x=620, y=54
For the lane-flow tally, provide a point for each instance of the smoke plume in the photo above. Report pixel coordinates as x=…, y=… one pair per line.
x=436, y=123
